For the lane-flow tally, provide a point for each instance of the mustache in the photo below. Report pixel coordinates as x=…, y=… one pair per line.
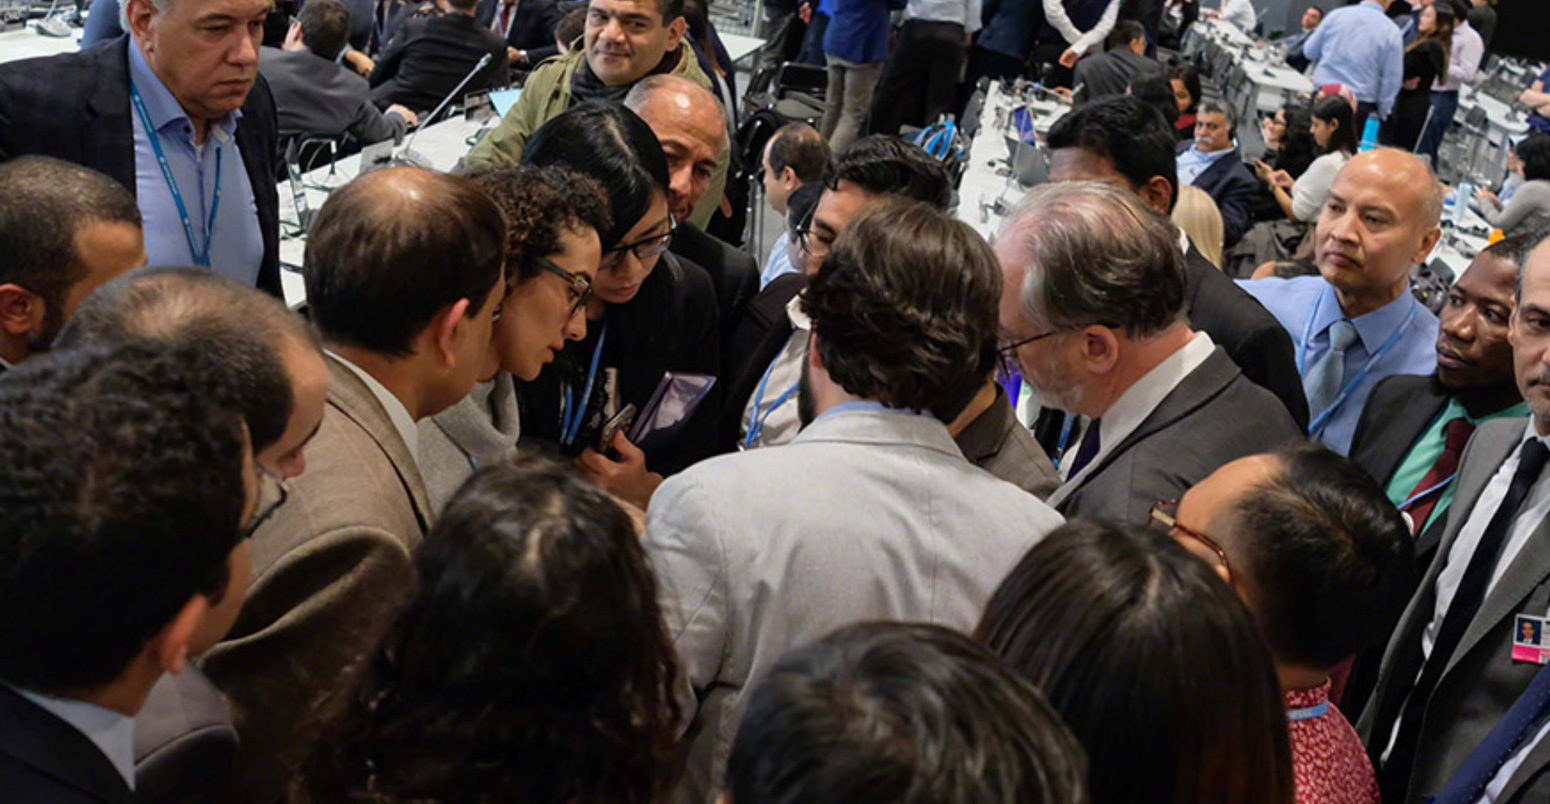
x=1542, y=378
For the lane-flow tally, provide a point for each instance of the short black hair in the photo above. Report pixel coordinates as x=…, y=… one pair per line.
x=1535, y=153
x=884, y=165
x=612, y=145
x=1191, y=79
x=801, y=205
x=1077, y=615
x=900, y=712
x=1329, y=558
x=44, y=202
x=325, y=27
x=800, y=147
x=243, y=331
x=121, y=497
x=1123, y=33
x=571, y=27
x=671, y=10
x=541, y=205
x=1128, y=133
x=1154, y=90
x=904, y=308
x=392, y=249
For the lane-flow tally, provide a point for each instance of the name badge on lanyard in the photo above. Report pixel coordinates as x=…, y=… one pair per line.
x=1528, y=639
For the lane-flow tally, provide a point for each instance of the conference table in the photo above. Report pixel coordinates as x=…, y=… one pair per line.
x=1254, y=75
x=25, y=43
x=988, y=189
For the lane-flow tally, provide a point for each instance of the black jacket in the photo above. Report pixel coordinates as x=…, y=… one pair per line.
x=430, y=56
x=532, y=26
x=44, y=760
x=753, y=345
x=1233, y=188
x=733, y=272
x=75, y=107
x=1109, y=73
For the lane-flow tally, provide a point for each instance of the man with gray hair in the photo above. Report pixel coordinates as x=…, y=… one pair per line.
x=1092, y=310
x=1212, y=163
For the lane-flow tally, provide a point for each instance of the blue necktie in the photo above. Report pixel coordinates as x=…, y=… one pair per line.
x=1322, y=382
x=1519, y=724
x=1088, y=448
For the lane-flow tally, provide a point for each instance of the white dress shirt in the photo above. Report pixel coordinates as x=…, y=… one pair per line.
x=785, y=372
x=1080, y=41
x=1241, y=14
x=397, y=413
x=113, y=733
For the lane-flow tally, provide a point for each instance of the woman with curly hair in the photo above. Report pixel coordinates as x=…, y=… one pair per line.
x=532, y=665
x=555, y=219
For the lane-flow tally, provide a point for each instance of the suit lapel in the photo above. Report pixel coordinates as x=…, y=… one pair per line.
x=1414, y=405
x=348, y=394
x=37, y=738
x=1528, y=569
x=108, y=138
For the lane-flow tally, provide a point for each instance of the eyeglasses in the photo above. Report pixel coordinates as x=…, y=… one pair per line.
x=645, y=248
x=1165, y=513
x=580, y=284
x=1009, y=350
x=272, y=494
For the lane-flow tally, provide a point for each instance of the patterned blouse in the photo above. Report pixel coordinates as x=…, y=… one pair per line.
x=1327, y=757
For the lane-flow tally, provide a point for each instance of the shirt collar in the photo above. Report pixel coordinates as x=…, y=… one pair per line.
x=397, y=413
x=1456, y=410
x=1373, y=328
x=1211, y=156
x=1302, y=699
x=113, y=733
x=160, y=103
x=1529, y=434
x=799, y=320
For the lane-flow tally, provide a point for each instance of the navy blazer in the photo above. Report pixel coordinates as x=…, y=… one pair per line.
x=44, y=760
x=532, y=27
x=1233, y=188
x=75, y=107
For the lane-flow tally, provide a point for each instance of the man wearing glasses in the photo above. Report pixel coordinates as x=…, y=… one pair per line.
x=1091, y=310
x=1323, y=560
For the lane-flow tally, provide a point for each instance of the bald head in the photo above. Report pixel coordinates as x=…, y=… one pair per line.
x=1380, y=220
x=689, y=123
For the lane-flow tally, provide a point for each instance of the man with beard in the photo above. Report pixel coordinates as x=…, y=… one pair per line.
x=1092, y=310
x=872, y=512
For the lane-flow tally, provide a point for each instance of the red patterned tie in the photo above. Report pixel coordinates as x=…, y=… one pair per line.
x=507, y=11
x=1455, y=435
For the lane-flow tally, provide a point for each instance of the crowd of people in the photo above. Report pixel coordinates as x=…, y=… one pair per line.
x=1069, y=515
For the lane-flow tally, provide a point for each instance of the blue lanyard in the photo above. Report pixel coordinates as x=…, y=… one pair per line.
x=201, y=257
x=572, y=415
x=1307, y=713
x=755, y=421
x=1066, y=429
x=1317, y=425
x=1427, y=492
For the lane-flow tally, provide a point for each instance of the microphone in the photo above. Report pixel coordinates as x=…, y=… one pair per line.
x=407, y=156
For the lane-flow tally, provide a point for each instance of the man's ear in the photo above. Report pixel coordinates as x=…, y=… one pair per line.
x=1158, y=192
x=443, y=331
x=172, y=644
x=675, y=33
x=140, y=13
x=1428, y=242
x=789, y=178
x=1100, y=349
x=21, y=311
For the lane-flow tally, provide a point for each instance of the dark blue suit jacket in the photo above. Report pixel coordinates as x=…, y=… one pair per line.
x=532, y=27
x=1233, y=188
x=44, y=760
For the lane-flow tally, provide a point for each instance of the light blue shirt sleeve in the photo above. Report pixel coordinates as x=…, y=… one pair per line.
x=1391, y=76
x=1313, y=46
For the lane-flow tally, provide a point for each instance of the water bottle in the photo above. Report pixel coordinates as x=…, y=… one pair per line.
x=1369, y=134
x=1462, y=192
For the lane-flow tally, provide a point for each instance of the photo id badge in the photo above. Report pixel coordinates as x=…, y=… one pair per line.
x=1528, y=640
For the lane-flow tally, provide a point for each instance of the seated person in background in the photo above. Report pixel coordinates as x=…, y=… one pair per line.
x=428, y=59
x=1537, y=99
x=1529, y=208
x=1197, y=217
x=1292, y=42
x=185, y=743
x=1072, y=618
x=314, y=93
x=688, y=121
x=1165, y=405
x=796, y=155
x=1326, y=565
x=872, y=512
x=1212, y=163
x=884, y=712
x=531, y=665
x=570, y=30
x=1185, y=80
x=526, y=26
x=1240, y=13
x=1109, y=73
x=554, y=221
x=1156, y=91
x=404, y=273
x=1334, y=133
x=1357, y=322
x=65, y=230
x=1289, y=143
x=82, y=528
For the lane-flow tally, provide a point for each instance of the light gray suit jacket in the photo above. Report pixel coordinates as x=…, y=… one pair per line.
x=330, y=570
x=1214, y=416
x=867, y=515
x=1481, y=681
x=185, y=743
x=479, y=430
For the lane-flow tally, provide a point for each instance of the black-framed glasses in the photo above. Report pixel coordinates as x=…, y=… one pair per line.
x=580, y=284
x=1009, y=350
x=644, y=248
x=1166, y=514
x=272, y=494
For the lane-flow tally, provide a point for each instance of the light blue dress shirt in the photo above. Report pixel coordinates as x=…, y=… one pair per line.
x=778, y=264
x=237, y=244
x=1359, y=46
x=1194, y=162
x=111, y=732
x=1306, y=306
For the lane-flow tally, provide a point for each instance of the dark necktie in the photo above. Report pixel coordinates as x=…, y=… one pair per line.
x=1466, y=601
x=380, y=29
x=1521, y=722
x=1087, y=449
x=507, y=11
x=1455, y=435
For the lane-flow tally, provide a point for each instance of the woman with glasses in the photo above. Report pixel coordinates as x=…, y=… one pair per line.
x=1154, y=663
x=554, y=222
x=651, y=312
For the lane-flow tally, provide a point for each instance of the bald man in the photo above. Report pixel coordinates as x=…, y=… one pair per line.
x=1356, y=323
x=691, y=126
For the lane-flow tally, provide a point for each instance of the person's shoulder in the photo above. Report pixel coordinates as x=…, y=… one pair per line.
x=53, y=76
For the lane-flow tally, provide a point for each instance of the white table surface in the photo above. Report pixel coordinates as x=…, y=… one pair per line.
x=26, y=43
x=739, y=46
x=982, y=185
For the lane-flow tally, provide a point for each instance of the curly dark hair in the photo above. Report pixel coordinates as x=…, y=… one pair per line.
x=533, y=664
x=905, y=308
x=540, y=204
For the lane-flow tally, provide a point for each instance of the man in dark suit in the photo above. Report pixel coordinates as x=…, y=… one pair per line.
x=527, y=26
x=82, y=528
x=212, y=114
x=1124, y=140
x=428, y=59
x=1102, y=75
x=1093, y=291
x=314, y=93
x=1450, y=672
x=1212, y=163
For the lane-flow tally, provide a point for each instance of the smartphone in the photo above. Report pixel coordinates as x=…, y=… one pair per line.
x=620, y=422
